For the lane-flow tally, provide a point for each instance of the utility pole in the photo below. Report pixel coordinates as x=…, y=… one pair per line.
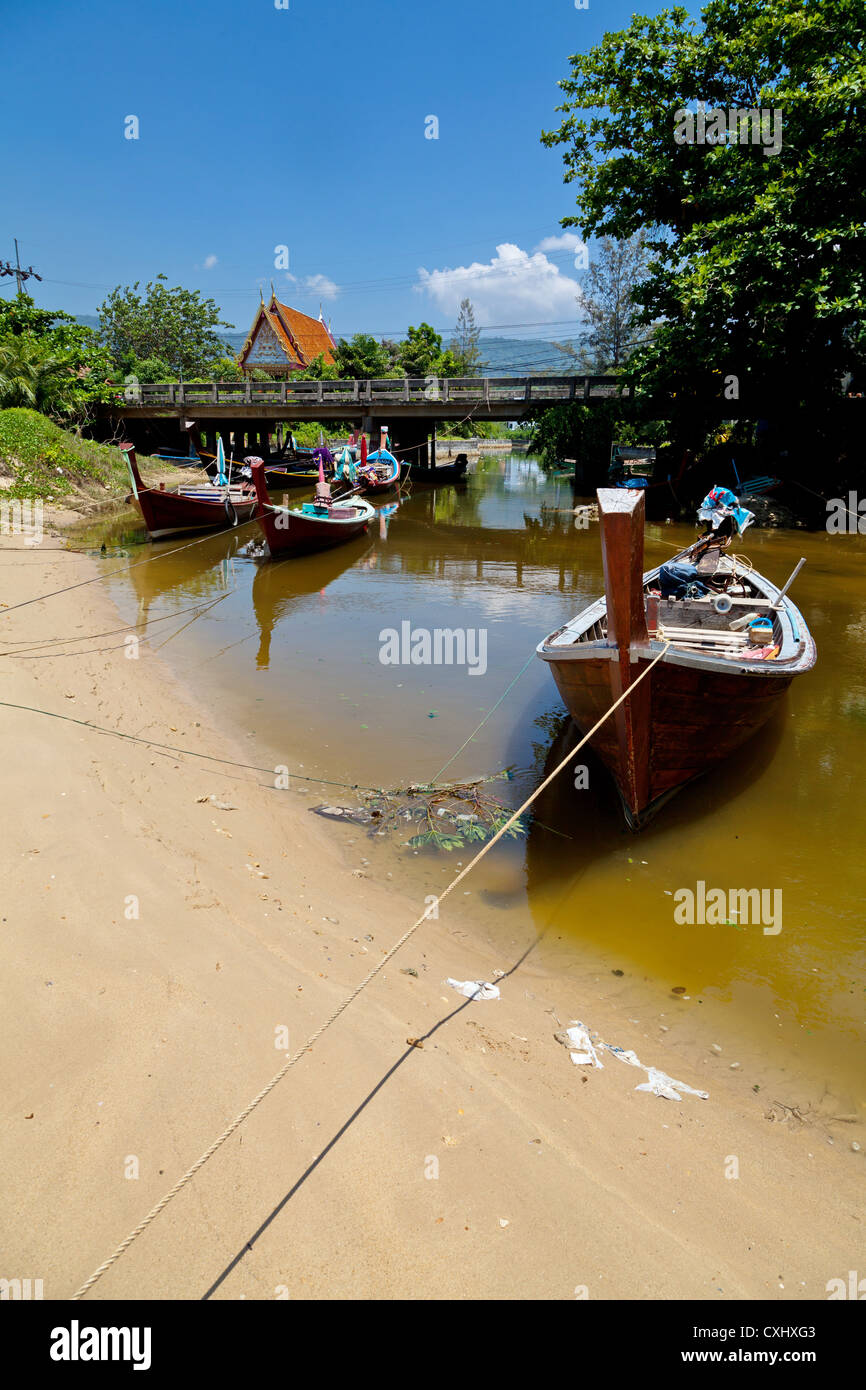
x=21, y=276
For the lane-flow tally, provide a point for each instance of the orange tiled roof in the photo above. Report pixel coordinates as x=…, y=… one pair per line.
x=302, y=338
x=310, y=335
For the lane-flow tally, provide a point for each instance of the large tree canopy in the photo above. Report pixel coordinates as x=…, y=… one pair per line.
x=49, y=361
x=758, y=268
x=175, y=326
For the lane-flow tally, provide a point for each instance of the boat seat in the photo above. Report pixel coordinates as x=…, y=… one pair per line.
x=709, y=562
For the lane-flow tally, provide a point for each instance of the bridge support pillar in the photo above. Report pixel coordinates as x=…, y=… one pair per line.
x=408, y=438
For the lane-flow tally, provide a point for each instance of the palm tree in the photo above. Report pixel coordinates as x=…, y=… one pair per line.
x=29, y=377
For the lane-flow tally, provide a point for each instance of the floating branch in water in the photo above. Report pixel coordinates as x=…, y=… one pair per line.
x=443, y=816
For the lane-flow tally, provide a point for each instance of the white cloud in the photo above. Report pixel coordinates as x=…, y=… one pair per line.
x=515, y=286
x=210, y=262
x=566, y=241
x=316, y=285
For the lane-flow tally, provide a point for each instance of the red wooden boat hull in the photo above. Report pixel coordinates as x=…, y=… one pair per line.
x=289, y=532
x=172, y=513
x=694, y=709
x=169, y=514
x=678, y=725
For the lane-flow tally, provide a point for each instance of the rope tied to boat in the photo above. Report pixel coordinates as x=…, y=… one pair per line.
x=109, y=574
x=341, y=1008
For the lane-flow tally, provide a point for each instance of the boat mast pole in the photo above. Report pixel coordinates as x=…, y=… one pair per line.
x=621, y=515
x=795, y=572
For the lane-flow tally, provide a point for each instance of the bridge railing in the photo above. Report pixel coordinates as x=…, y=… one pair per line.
x=477, y=391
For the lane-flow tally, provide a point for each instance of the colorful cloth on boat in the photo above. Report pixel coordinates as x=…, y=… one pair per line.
x=719, y=503
x=345, y=467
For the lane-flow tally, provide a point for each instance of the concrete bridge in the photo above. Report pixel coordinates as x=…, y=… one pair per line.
x=249, y=414
x=416, y=398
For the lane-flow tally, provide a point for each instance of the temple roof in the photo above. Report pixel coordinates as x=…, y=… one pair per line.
x=285, y=336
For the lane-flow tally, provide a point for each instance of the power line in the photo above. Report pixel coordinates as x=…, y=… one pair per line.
x=6, y=268
x=380, y=285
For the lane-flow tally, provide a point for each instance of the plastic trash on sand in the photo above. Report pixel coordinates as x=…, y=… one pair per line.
x=659, y=1083
x=580, y=1046
x=474, y=989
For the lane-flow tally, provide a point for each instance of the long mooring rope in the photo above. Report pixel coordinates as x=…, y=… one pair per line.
x=342, y=1007
x=121, y=569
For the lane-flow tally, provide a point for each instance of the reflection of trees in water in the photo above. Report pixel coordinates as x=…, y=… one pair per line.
x=526, y=567
x=447, y=506
x=553, y=521
x=550, y=725
x=454, y=504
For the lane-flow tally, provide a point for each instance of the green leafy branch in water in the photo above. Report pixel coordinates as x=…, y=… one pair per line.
x=443, y=817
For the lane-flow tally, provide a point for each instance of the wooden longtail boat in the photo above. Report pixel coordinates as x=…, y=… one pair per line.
x=205, y=508
x=441, y=473
x=379, y=474
x=279, y=476
x=282, y=474
x=317, y=525
x=710, y=691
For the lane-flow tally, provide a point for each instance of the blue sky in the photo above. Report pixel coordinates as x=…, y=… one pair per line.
x=301, y=127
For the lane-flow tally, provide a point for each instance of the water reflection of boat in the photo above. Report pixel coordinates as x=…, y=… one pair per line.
x=200, y=572
x=709, y=691
x=385, y=515
x=279, y=590
x=577, y=820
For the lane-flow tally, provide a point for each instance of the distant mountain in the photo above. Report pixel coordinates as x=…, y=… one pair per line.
x=501, y=356
x=523, y=356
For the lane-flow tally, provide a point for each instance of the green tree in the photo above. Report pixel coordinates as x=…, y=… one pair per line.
x=756, y=271
x=585, y=433
x=318, y=370
x=616, y=324
x=362, y=357
x=421, y=353
x=176, y=325
x=21, y=315
x=52, y=361
x=223, y=368
x=464, y=344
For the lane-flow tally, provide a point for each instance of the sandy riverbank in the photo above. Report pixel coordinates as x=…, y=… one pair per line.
x=128, y=1042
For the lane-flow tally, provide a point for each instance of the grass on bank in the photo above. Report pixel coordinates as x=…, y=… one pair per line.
x=38, y=459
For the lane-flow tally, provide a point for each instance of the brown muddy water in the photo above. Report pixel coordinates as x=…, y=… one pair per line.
x=290, y=657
